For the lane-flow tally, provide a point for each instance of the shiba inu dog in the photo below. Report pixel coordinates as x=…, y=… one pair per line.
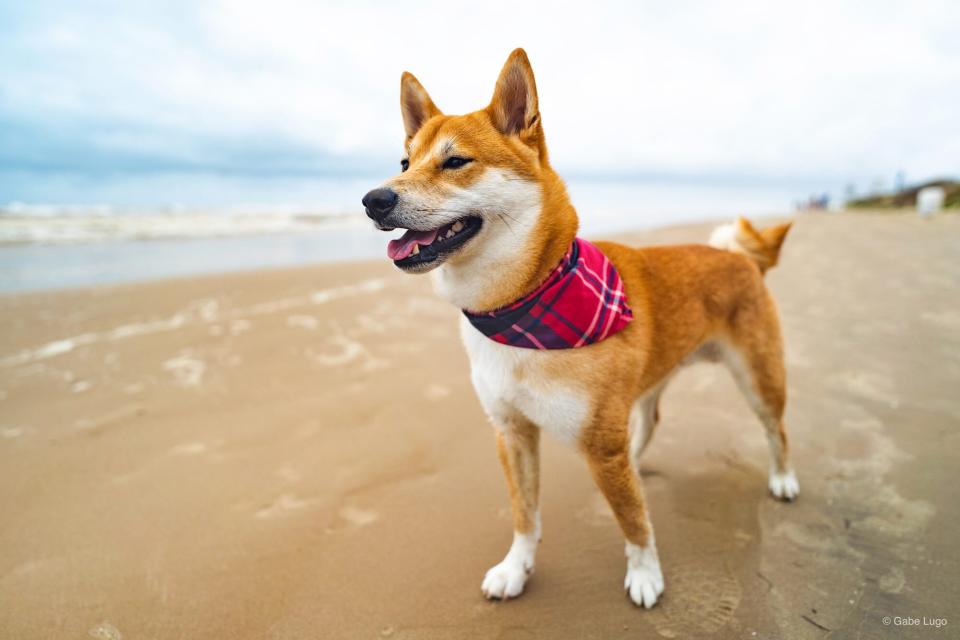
x=485, y=213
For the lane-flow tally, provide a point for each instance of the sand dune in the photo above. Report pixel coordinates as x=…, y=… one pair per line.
x=298, y=454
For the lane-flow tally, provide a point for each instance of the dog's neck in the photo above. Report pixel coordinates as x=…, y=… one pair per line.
x=522, y=248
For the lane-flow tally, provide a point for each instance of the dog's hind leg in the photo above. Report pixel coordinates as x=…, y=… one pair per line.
x=644, y=418
x=755, y=358
x=518, y=447
x=608, y=453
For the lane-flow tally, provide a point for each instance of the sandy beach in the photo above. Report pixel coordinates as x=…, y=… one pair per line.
x=298, y=453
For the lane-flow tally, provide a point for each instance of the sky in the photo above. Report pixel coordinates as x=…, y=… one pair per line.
x=744, y=92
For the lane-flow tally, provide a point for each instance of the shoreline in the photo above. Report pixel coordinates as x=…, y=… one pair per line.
x=34, y=268
x=37, y=267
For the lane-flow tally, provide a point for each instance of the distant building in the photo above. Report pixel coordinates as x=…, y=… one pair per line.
x=930, y=200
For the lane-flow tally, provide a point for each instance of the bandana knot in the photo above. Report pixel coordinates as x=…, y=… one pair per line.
x=581, y=302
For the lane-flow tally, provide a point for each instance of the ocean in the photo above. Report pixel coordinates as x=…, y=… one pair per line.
x=119, y=229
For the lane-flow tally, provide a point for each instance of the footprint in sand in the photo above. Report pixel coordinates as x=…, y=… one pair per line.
x=187, y=371
x=893, y=581
x=208, y=309
x=352, y=517
x=702, y=598
x=105, y=631
x=348, y=351
x=282, y=506
x=358, y=517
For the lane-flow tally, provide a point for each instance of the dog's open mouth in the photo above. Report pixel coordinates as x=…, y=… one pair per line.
x=416, y=248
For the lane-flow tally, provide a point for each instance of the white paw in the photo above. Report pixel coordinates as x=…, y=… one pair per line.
x=784, y=485
x=505, y=580
x=644, y=581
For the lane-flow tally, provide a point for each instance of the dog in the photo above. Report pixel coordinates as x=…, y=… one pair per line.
x=487, y=216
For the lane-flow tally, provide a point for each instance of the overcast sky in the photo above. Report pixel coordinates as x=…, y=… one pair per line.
x=746, y=90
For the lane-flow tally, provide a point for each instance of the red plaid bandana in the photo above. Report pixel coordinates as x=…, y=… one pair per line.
x=581, y=302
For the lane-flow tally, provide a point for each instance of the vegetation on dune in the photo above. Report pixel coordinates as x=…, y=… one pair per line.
x=908, y=197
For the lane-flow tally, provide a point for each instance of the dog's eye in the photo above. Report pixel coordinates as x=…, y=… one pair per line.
x=455, y=162
x=404, y=164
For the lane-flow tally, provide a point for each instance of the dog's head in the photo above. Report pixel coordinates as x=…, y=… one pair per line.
x=473, y=188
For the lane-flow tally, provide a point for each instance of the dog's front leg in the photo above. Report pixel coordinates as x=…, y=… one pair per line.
x=609, y=458
x=518, y=446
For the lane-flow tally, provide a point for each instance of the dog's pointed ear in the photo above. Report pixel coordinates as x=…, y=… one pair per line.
x=415, y=104
x=514, y=108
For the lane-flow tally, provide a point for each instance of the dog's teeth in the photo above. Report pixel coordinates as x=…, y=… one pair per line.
x=457, y=226
x=450, y=233
x=416, y=249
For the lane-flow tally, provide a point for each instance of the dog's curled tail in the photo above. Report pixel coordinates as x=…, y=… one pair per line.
x=742, y=237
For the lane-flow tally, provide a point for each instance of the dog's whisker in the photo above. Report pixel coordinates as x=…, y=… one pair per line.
x=503, y=218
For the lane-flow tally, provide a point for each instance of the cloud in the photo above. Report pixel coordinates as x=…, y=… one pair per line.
x=811, y=90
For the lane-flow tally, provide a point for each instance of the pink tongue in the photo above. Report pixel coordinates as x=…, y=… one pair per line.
x=403, y=246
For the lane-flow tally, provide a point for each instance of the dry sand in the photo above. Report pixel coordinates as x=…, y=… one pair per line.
x=298, y=454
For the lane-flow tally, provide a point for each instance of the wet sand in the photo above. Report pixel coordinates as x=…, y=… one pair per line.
x=298, y=454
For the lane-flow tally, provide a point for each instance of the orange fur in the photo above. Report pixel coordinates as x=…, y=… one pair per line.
x=519, y=453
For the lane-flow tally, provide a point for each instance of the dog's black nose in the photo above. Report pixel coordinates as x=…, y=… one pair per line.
x=379, y=203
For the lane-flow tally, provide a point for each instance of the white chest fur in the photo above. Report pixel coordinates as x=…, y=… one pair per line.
x=510, y=383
